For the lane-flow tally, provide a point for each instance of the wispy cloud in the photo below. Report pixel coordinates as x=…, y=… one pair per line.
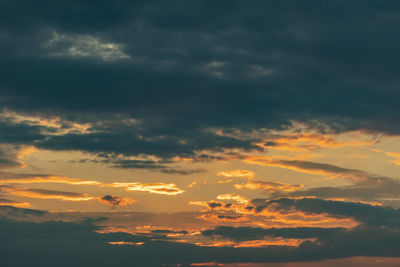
x=155, y=188
x=49, y=194
x=83, y=45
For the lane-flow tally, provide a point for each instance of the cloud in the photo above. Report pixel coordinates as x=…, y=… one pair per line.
x=234, y=197
x=309, y=141
x=115, y=201
x=237, y=173
x=155, y=188
x=9, y=157
x=46, y=194
x=12, y=203
x=269, y=186
x=83, y=45
x=251, y=233
x=31, y=178
x=75, y=243
x=307, y=167
x=363, y=213
x=373, y=189
x=223, y=218
x=394, y=155
x=87, y=57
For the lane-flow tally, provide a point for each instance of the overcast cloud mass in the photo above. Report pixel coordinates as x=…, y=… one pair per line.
x=199, y=133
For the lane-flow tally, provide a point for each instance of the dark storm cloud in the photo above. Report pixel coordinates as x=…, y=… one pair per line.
x=78, y=244
x=184, y=66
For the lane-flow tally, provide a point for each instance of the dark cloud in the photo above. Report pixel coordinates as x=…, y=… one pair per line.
x=18, y=213
x=380, y=189
x=365, y=187
x=79, y=244
x=183, y=67
x=8, y=158
x=168, y=232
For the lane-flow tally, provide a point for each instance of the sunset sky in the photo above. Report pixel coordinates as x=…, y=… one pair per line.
x=199, y=133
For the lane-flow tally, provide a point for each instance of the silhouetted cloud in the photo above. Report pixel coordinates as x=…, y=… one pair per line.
x=76, y=243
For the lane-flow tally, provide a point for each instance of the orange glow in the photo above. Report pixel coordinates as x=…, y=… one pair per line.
x=206, y=264
x=372, y=203
x=16, y=204
x=274, y=216
x=395, y=155
x=234, y=197
x=25, y=151
x=50, y=194
x=48, y=179
x=269, y=186
x=237, y=174
x=317, y=169
x=271, y=242
x=291, y=242
x=155, y=188
x=309, y=141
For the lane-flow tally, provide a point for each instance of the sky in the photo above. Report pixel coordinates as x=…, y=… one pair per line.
x=199, y=133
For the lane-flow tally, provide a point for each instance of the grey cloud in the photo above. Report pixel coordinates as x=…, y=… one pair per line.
x=79, y=244
x=230, y=65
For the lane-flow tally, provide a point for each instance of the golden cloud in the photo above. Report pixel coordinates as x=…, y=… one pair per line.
x=269, y=186
x=237, y=174
x=49, y=194
x=155, y=188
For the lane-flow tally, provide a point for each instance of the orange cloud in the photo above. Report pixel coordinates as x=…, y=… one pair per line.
x=308, y=141
x=15, y=179
x=234, y=197
x=395, y=155
x=25, y=151
x=269, y=186
x=237, y=174
x=271, y=216
x=254, y=243
x=7, y=202
x=306, y=167
x=50, y=194
x=155, y=188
